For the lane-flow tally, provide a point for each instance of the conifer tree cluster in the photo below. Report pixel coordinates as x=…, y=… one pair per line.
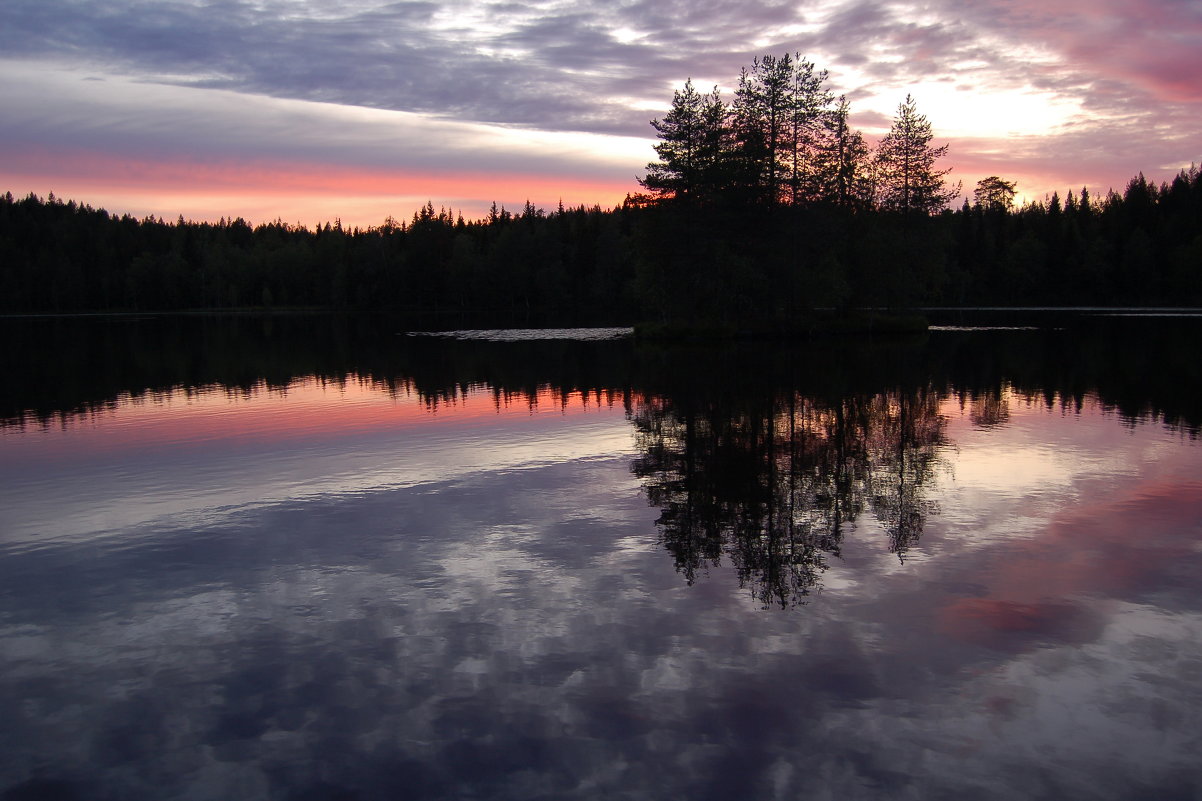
x=1141, y=246
x=784, y=139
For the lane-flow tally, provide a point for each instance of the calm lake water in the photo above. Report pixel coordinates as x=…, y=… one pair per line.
x=312, y=558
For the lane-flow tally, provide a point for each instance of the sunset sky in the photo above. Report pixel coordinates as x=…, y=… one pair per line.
x=358, y=109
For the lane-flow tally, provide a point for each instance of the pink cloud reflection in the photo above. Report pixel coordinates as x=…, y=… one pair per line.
x=1117, y=549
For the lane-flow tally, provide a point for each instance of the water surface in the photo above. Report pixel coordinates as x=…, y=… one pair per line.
x=319, y=559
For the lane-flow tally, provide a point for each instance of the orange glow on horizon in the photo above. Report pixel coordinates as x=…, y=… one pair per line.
x=263, y=191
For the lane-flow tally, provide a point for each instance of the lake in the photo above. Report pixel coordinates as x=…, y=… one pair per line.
x=319, y=558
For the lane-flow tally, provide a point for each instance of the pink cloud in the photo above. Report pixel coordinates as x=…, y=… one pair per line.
x=1155, y=46
x=264, y=190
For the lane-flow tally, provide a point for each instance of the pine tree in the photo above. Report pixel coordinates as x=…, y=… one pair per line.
x=909, y=182
x=777, y=109
x=808, y=110
x=690, y=146
x=995, y=194
x=842, y=161
x=759, y=124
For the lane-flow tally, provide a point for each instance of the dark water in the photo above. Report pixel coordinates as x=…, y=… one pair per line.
x=310, y=558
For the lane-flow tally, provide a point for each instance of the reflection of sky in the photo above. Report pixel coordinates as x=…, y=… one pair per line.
x=1036, y=459
x=407, y=604
x=217, y=454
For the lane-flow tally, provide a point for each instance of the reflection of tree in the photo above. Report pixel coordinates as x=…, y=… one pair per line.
x=990, y=408
x=59, y=369
x=773, y=483
x=902, y=459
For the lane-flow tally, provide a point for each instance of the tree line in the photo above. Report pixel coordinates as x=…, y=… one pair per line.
x=757, y=213
x=65, y=257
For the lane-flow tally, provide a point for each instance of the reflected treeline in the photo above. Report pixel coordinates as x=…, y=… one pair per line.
x=759, y=456
x=771, y=483
x=57, y=368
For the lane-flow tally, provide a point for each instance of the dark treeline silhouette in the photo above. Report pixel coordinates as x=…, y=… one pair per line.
x=769, y=207
x=60, y=256
x=670, y=261
x=756, y=214
x=1143, y=246
x=59, y=368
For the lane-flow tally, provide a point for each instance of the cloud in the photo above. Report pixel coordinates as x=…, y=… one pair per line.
x=1111, y=86
x=572, y=67
x=119, y=143
x=124, y=116
x=1151, y=46
x=519, y=65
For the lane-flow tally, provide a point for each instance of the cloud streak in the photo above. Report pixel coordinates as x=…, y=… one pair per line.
x=205, y=148
x=1108, y=87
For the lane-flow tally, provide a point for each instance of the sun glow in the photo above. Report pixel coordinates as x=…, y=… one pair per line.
x=958, y=111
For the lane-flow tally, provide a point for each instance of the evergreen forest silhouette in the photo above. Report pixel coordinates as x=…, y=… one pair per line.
x=757, y=214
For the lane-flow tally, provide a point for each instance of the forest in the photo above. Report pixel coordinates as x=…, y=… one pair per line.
x=757, y=213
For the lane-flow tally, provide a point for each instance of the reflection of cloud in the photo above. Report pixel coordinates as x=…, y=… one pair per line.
x=1006, y=625
x=457, y=641
x=518, y=633
x=1106, y=535
x=279, y=448
x=1034, y=461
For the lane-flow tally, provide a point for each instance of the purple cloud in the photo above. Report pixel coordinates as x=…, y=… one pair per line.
x=1128, y=68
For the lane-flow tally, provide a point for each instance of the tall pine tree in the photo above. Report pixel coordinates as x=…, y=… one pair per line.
x=905, y=160
x=690, y=146
x=842, y=161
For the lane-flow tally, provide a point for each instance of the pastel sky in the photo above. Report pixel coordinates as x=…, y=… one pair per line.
x=358, y=109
